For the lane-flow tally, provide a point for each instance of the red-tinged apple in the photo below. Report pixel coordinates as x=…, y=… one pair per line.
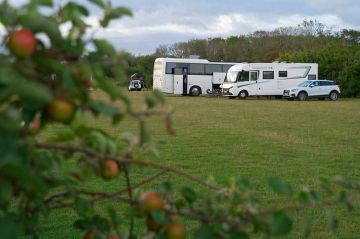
x=109, y=169
x=113, y=237
x=152, y=201
x=34, y=126
x=22, y=43
x=90, y=234
x=61, y=110
x=176, y=231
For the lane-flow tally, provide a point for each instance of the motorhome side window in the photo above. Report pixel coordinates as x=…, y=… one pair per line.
x=268, y=75
x=211, y=68
x=196, y=69
x=244, y=76
x=283, y=73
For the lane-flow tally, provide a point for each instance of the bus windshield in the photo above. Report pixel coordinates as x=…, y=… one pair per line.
x=231, y=76
x=305, y=83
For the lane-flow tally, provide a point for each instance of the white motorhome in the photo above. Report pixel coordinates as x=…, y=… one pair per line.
x=266, y=79
x=188, y=76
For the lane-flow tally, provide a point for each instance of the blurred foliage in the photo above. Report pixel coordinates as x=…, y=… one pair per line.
x=50, y=82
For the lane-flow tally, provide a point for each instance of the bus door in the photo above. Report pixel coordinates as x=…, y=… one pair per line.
x=181, y=81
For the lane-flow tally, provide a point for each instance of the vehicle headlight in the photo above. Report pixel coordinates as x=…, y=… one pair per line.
x=294, y=90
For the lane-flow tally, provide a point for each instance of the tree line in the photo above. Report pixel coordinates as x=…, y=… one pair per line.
x=336, y=52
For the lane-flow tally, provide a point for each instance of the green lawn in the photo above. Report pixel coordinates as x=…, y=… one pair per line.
x=299, y=141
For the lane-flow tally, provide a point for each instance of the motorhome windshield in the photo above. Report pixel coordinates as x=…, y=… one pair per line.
x=231, y=76
x=305, y=84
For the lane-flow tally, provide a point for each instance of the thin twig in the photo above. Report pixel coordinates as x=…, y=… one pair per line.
x=102, y=195
x=123, y=160
x=129, y=189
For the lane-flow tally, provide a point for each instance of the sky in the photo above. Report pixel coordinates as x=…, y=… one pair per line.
x=164, y=22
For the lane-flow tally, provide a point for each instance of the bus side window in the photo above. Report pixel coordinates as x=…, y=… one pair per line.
x=211, y=68
x=226, y=68
x=170, y=68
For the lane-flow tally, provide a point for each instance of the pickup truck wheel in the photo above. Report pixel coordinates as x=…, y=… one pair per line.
x=334, y=95
x=302, y=96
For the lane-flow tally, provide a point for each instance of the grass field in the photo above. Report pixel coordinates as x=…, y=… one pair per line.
x=299, y=141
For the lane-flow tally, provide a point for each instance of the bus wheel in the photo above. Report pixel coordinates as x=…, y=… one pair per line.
x=243, y=94
x=195, y=91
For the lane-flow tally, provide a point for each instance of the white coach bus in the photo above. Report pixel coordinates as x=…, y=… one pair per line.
x=266, y=79
x=188, y=76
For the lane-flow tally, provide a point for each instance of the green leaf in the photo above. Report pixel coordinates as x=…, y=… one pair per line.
x=189, y=194
x=29, y=178
x=307, y=228
x=38, y=23
x=104, y=47
x=109, y=87
x=150, y=102
x=115, y=217
x=111, y=147
x=159, y=96
x=332, y=220
x=281, y=224
x=114, y=14
x=47, y=3
x=99, y=3
x=5, y=191
x=72, y=8
x=64, y=135
x=8, y=228
x=158, y=217
x=205, y=232
x=280, y=186
x=27, y=90
x=83, y=206
x=97, y=141
x=144, y=134
x=103, y=108
x=119, y=12
x=243, y=183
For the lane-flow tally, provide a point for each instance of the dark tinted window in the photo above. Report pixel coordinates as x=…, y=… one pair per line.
x=312, y=77
x=169, y=68
x=196, y=69
x=268, y=75
x=226, y=68
x=178, y=71
x=283, y=73
x=324, y=83
x=210, y=69
x=244, y=76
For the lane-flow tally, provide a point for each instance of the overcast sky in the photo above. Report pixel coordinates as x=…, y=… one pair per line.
x=163, y=22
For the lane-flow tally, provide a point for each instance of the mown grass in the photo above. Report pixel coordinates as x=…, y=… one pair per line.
x=298, y=141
